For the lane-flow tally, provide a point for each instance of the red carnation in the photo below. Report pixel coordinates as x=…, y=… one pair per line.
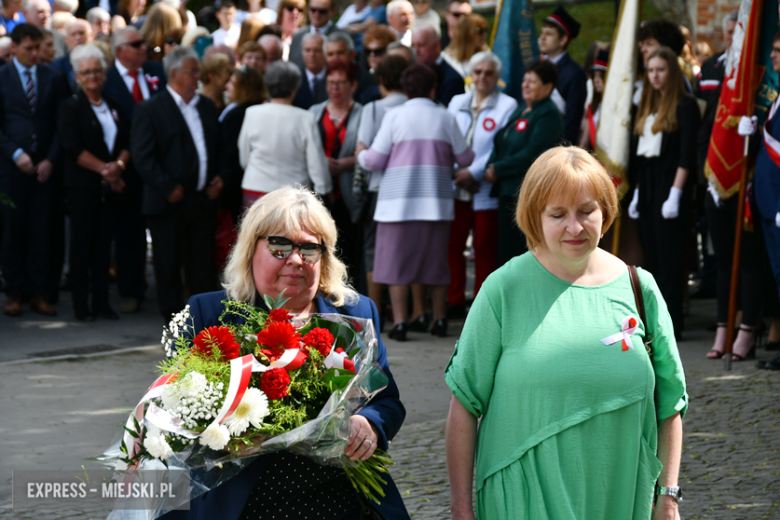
x=320, y=339
x=219, y=337
x=278, y=337
x=277, y=315
x=274, y=383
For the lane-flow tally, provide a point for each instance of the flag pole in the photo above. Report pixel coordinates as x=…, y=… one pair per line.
x=737, y=256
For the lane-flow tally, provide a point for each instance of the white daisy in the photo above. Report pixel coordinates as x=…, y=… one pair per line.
x=252, y=409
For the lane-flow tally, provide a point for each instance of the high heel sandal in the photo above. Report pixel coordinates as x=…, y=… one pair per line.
x=715, y=353
x=751, y=353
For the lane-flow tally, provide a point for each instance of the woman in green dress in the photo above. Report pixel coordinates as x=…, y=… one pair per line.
x=552, y=359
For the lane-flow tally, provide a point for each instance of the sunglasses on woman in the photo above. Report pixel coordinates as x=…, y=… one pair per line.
x=281, y=247
x=376, y=52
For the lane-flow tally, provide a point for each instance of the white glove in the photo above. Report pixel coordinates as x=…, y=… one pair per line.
x=747, y=126
x=632, y=211
x=671, y=208
x=777, y=219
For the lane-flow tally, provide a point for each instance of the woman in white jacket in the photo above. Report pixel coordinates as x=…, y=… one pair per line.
x=480, y=115
x=279, y=144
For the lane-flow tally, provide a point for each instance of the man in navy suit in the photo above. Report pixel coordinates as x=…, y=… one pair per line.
x=174, y=144
x=131, y=80
x=312, y=89
x=426, y=44
x=77, y=32
x=558, y=30
x=321, y=13
x=30, y=95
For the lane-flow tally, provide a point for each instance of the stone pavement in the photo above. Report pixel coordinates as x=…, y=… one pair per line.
x=56, y=413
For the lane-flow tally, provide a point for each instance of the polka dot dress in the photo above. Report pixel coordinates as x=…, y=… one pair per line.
x=294, y=487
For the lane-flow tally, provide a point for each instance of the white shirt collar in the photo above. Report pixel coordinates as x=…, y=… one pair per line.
x=321, y=30
x=311, y=76
x=124, y=70
x=558, y=58
x=180, y=101
x=21, y=68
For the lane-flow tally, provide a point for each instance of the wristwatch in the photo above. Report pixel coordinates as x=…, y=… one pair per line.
x=674, y=492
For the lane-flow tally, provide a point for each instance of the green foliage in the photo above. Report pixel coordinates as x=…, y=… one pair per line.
x=364, y=474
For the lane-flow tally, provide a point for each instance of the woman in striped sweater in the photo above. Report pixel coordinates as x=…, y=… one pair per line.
x=417, y=146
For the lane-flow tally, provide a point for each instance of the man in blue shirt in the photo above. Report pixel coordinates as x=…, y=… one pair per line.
x=10, y=15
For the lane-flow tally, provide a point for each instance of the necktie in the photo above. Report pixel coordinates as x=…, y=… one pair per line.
x=30, y=89
x=137, y=94
x=31, y=100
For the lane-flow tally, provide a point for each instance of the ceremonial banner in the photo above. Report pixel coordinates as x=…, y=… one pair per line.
x=737, y=98
x=613, y=139
x=514, y=41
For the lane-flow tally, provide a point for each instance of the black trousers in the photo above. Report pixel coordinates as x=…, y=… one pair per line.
x=511, y=241
x=130, y=233
x=183, y=240
x=25, y=257
x=663, y=241
x=92, y=217
x=752, y=265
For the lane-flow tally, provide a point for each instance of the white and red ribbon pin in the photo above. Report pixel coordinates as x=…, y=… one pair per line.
x=630, y=324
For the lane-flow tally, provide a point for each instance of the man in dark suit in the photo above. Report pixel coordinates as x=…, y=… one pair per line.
x=428, y=48
x=341, y=45
x=558, y=30
x=30, y=95
x=131, y=80
x=174, y=145
x=77, y=32
x=312, y=89
x=321, y=13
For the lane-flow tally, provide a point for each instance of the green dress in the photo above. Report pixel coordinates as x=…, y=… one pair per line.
x=568, y=427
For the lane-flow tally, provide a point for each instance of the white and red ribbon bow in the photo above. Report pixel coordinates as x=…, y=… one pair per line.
x=152, y=81
x=339, y=359
x=629, y=326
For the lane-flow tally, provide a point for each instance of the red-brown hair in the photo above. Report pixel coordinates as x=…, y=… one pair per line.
x=347, y=67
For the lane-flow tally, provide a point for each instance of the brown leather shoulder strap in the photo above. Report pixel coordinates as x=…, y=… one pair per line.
x=640, y=305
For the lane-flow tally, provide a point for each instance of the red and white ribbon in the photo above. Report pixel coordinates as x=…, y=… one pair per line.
x=629, y=326
x=339, y=359
x=155, y=390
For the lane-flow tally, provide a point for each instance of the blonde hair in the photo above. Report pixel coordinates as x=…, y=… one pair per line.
x=562, y=174
x=462, y=46
x=664, y=104
x=160, y=20
x=214, y=64
x=287, y=211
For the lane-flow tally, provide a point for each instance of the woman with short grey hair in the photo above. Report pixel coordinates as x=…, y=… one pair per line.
x=95, y=138
x=279, y=144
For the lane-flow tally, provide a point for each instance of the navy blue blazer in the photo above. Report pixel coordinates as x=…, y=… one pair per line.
x=305, y=98
x=766, y=182
x=572, y=86
x=451, y=84
x=385, y=411
x=18, y=122
x=63, y=64
x=116, y=89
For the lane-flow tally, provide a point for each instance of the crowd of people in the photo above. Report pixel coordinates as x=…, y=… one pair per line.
x=135, y=118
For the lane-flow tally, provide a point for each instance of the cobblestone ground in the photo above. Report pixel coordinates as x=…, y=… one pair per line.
x=731, y=449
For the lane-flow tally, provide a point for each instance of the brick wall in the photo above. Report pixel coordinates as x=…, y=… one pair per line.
x=709, y=20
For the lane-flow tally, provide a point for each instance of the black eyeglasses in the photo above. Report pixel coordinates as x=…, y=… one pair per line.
x=481, y=31
x=376, y=52
x=292, y=8
x=172, y=41
x=456, y=14
x=137, y=45
x=281, y=247
x=320, y=11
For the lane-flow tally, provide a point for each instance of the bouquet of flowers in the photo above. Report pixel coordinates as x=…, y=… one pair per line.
x=259, y=383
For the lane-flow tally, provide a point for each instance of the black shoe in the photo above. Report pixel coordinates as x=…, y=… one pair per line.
x=398, y=332
x=420, y=324
x=772, y=345
x=773, y=364
x=455, y=312
x=440, y=328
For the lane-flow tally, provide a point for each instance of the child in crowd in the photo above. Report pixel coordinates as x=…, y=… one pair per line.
x=228, y=31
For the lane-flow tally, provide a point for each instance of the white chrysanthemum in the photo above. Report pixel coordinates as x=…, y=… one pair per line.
x=252, y=409
x=193, y=385
x=156, y=444
x=216, y=436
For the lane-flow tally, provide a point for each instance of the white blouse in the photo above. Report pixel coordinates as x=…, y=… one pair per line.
x=108, y=124
x=649, y=143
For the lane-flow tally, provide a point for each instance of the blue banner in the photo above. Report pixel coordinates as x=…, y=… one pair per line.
x=767, y=81
x=514, y=42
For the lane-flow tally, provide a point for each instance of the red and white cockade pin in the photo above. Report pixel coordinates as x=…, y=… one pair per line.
x=488, y=124
x=152, y=81
x=521, y=125
x=630, y=324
